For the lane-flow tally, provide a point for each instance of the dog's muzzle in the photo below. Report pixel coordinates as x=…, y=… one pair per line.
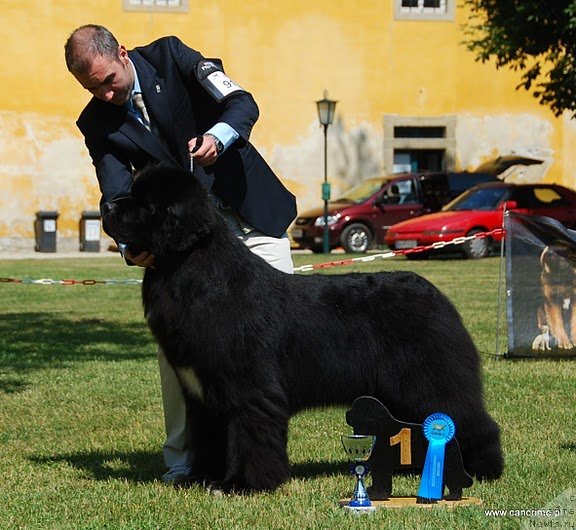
x=107, y=208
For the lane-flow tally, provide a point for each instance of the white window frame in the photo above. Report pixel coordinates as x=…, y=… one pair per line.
x=446, y=143
x=168, y=6
x=445, y=11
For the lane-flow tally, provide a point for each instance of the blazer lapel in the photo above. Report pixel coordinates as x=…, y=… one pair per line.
x=134, y=130
x=152, y=88
x=155, y=96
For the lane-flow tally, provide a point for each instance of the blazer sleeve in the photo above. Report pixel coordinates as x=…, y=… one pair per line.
x=239, y=110
x=113, y=169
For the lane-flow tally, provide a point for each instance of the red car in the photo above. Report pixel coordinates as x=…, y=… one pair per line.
x=480, y=209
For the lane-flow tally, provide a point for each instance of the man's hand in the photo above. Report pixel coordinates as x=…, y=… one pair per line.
x=144, y=259
x=203, y=150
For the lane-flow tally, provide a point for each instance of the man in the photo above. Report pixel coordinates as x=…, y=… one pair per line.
x=165, y=102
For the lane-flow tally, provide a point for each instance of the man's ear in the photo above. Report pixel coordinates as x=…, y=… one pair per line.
x=123, y=55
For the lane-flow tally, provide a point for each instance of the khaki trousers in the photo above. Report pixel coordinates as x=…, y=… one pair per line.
x=276, y=251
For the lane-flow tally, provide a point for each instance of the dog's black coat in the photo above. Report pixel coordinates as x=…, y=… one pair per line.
x=265, y=345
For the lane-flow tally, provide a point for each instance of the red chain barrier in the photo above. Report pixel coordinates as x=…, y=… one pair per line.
x=303, y=268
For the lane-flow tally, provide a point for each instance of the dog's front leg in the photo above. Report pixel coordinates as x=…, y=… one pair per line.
x=556, y=322
x=256, y=456
x=206, y=442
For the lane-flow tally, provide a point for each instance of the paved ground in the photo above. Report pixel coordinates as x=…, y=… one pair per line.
x=24, y=254
x=48, y=255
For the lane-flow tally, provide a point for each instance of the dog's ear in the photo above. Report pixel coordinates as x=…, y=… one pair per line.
x=180, y=205
x=181, y=228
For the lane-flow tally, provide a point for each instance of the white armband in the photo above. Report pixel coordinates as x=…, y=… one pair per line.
x=211, y=76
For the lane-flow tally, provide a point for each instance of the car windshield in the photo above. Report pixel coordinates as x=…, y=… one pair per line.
x=362, y=191
x=477, y=199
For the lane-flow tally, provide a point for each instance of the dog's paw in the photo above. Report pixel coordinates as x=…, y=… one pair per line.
x=219, y=488
x=565, y=344
x=215, y=488
x=488, y=464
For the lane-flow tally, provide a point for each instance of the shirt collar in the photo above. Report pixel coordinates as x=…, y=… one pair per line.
x=136, y=88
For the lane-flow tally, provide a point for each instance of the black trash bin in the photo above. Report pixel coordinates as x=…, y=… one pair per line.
x=90, y=229
x=45, y=230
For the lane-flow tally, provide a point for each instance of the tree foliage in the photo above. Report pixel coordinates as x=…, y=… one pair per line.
x=536, y=38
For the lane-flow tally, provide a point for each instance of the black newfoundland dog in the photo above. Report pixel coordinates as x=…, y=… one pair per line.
x=252, y=346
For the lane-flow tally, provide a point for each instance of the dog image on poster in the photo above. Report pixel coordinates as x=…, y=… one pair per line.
x=557, y=316
x=262, y=345
x=542, y=341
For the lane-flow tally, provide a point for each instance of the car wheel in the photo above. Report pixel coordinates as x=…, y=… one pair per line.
x=356, y=238
x=477, y=248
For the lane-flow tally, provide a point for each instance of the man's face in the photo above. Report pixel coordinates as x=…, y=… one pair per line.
x=110, y=80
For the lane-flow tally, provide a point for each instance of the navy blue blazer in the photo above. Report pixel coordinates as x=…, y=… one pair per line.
x=181, y=108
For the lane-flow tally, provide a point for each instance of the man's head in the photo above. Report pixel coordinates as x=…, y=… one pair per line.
x=99, y=63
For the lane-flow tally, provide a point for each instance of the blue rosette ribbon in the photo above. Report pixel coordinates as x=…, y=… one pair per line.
x=439, y=429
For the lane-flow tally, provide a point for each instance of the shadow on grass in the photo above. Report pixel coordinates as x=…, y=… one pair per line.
x=133, y=466
x=147, y=466
x=34, y=341
x=308, y=470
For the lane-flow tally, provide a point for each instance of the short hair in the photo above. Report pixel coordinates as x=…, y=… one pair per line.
x=85, y=43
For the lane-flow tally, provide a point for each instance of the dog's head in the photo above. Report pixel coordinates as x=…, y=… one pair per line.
x=559, y=258
x=167, y=211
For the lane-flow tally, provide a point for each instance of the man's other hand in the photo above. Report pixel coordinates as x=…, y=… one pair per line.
x=143, y=259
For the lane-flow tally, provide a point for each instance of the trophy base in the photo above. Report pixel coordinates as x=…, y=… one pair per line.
x=412, y=502
x=358, y=509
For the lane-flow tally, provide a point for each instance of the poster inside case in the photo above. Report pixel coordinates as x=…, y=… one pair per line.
x=541, y=287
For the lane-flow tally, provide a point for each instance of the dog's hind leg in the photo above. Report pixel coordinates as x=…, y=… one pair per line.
x=480, y=444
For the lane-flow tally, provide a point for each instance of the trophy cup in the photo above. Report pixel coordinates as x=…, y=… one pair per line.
x=359, y=448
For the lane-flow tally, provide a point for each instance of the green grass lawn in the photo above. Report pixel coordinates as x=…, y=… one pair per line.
x=81, y=424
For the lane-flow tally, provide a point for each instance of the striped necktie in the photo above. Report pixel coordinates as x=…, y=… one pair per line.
x=138, y=102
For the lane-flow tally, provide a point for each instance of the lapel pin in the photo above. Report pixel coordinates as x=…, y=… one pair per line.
x=158, y=89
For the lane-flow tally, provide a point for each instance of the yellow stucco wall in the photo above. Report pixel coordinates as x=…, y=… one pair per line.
x=286, y=53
